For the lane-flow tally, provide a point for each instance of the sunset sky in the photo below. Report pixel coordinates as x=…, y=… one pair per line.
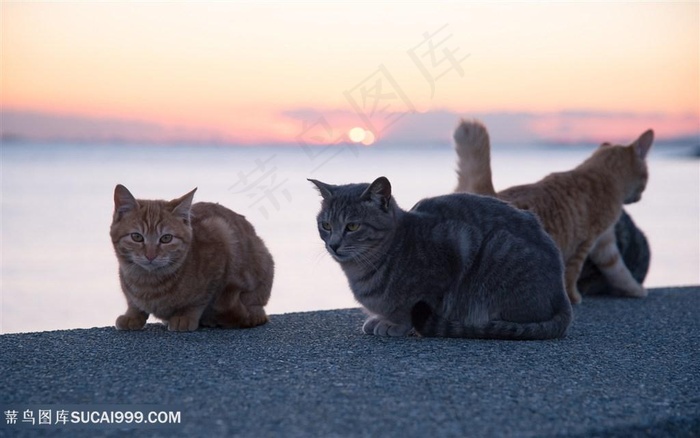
x=287, y=72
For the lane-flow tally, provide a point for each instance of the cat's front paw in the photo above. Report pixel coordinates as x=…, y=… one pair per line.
x=128, y=322
x=183, y=324
x=370, y=323
x=391, y=329
x=381, y=327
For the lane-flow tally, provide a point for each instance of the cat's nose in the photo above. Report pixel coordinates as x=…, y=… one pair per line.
x=334, y=246
x=150, y=254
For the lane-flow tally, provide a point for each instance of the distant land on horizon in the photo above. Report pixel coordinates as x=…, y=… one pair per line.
x=428, y=129
x=690, y=143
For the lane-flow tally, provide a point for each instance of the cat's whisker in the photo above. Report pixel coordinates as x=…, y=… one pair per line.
x=367, y=260
x=357, y=255
x=320, y=255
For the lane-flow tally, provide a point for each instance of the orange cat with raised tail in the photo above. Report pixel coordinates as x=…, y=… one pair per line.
x=578, y=208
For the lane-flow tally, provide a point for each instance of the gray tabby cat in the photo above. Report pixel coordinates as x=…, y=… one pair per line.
x=458, y=265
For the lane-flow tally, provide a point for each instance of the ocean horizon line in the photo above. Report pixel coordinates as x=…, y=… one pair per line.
x=10, y=139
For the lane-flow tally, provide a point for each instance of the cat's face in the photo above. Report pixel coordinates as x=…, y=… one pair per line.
x=153, y=235
x=356, y=219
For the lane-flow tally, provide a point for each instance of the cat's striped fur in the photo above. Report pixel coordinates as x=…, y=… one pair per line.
x=471, y=265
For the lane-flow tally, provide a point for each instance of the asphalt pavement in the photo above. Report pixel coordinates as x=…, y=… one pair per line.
x=628, y=367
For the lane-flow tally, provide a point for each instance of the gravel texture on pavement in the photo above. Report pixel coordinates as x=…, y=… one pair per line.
x=628, y=367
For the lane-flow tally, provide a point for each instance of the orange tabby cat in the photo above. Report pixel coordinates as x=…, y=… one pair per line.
x=578, y=208
x=189, y=265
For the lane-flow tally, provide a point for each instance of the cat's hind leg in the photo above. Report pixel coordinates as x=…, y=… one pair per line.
x=234, y=309
x=572, y=270
x=376, y=325
x=255, y=316
x=606, y=256
x=239, y=316
x=254, y=302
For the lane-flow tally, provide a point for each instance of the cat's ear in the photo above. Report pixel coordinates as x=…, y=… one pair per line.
x=183, y=205
x=379, y=191
x=326, y=190
x=124, y=202
x=643, y=143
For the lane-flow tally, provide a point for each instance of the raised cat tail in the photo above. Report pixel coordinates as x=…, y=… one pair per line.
x=429, y=324
x=473, y=158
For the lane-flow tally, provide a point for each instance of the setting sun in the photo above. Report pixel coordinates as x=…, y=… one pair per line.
x=361, y=135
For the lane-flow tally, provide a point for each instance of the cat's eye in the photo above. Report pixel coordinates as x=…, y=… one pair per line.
x=166, y=238
x=136, y=237
x=326, y=226
x=352, y=226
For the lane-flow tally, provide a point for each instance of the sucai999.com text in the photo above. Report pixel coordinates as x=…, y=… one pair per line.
x=86, y=417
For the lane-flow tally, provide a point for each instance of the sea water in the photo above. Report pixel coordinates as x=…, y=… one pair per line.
x=58, y=268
